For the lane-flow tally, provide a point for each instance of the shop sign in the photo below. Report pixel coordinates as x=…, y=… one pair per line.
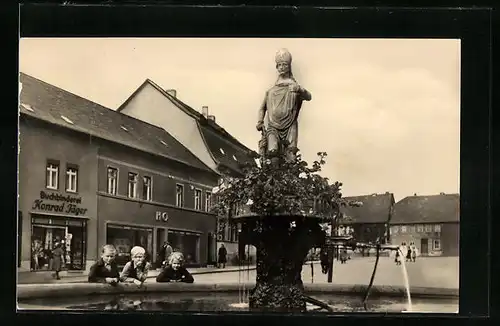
x=64, y=204
x=162, y=216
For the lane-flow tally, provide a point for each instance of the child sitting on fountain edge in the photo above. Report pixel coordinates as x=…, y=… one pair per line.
x=136, y=270
x=175, y=270
x=105, y=270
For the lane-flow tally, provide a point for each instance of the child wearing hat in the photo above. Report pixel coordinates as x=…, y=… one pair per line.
x=175, y=270
x=136, y=270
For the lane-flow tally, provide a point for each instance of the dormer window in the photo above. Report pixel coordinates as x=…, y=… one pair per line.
x=124, y=128
x=234, y=158
x=222, y=151
x=67, y=120
x=161, y=141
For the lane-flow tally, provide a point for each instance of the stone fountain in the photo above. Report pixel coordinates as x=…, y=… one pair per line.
x=289, y=201
x=285, y=220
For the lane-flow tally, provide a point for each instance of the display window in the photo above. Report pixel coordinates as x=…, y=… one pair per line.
x=186, y=242
x=46, y=232
x=125, y=237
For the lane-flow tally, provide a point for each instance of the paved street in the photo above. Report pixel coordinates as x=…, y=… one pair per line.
x=426, y=272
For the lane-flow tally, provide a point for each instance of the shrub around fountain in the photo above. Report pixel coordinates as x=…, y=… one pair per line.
x=288, y=202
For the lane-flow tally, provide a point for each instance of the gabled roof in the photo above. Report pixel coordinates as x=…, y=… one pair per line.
x=427, y=209
x=376, y=208
x=215, y=136
x=225, y=154
x=60, y=107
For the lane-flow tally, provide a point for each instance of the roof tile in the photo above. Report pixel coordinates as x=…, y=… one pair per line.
x=215, y=136
x=427, y=209
x=50, y=103
x=375, y=209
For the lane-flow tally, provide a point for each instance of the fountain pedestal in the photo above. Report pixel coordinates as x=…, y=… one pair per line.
x=282, y=244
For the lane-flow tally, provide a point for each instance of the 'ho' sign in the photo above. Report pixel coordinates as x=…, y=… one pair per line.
x=162, y=216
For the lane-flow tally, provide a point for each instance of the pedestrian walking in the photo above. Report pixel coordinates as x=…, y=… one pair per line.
x=408, y=254
x=413, y=252
x=57, y=260
x=165, y=252
x=323, y=257
x=397, y=258
x=222, y=256
x=343, y=256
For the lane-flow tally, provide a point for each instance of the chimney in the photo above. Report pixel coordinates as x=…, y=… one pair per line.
x=204, y=111
x=414, y=194
x=172, y=92
x=442, y=193
x=211, y=117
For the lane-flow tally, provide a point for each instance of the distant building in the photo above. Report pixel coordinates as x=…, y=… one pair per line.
x=90, y=176
x=369, y=222
x=201, y=134
x=431, y=223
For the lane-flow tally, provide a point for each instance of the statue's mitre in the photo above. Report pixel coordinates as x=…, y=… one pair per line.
x=283, y=55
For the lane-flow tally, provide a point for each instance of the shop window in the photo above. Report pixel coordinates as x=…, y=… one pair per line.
x=186, y=242
x=112, y=181
x=197, y=199
x=428, y=228
x=125, y=237
x=436, y=244
x=147, y=188
x=208, y=201
x=403, y=229
x=179, y=195
x=420, y=228
x=437, y=228
x=412, y=229
x=72, y=179
x=70, y=233
x=132, y=185
x=52, y=177
x=394, y=229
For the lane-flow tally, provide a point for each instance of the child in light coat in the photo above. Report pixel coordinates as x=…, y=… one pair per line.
x=136, y=270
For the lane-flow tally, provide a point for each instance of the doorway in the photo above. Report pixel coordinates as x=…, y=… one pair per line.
x=160, y=239
x=424, y=247
x=210, y=249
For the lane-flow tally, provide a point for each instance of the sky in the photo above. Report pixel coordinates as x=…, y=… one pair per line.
x=387, y=111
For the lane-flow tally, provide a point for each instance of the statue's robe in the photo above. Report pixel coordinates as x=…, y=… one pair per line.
x=282, y=107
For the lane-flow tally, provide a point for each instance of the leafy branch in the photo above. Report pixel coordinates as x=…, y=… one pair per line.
x=287, y=188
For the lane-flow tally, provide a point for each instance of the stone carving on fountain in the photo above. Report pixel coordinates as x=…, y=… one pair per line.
x=288, y=199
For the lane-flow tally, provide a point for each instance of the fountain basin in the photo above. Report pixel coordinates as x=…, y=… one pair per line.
x=222, y=297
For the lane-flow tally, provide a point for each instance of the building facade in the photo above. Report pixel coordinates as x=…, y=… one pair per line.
x=89, y=176
x=57, y=201
x=201, y=134
x=146, y=202
x=369, y=222
x=430, y=223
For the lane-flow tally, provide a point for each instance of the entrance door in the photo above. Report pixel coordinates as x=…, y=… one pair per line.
x=160, y=239
x=424, y=247
x=210, y=249
x=75, y=247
